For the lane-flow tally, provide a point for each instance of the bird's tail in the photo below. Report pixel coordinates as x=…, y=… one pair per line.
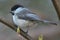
x=49, y=22
x=53, y=23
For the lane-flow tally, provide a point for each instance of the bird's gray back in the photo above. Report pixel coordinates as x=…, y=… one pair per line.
x=28, y=15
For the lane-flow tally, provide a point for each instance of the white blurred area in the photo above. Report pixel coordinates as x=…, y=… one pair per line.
x=43, y=8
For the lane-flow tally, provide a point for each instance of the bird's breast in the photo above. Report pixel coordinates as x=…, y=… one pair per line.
x=20, y=22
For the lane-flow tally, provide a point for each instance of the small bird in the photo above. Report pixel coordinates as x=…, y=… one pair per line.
x=23, y=16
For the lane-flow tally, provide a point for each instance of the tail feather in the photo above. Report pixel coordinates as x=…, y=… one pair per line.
x=53, y=23
x=49, y=22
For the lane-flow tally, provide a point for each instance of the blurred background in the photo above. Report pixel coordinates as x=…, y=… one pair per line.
x=43, y=8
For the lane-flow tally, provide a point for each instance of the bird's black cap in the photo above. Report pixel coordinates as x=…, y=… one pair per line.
x=15, y=7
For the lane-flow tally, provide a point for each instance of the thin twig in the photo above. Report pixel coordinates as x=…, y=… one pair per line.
x=12, y=26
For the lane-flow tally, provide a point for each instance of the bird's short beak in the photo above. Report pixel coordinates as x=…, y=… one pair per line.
x=12, y=12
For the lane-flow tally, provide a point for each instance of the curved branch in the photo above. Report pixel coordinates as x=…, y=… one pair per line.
x=12, y=26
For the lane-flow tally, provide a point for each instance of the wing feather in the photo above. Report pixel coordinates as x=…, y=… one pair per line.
x=28, y=15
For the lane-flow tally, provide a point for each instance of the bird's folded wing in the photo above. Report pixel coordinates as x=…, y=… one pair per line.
x=28, y=15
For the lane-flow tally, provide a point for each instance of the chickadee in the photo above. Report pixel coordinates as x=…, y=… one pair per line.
x=23, y=16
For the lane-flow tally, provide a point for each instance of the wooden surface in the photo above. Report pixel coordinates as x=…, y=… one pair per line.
x=56, y=4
